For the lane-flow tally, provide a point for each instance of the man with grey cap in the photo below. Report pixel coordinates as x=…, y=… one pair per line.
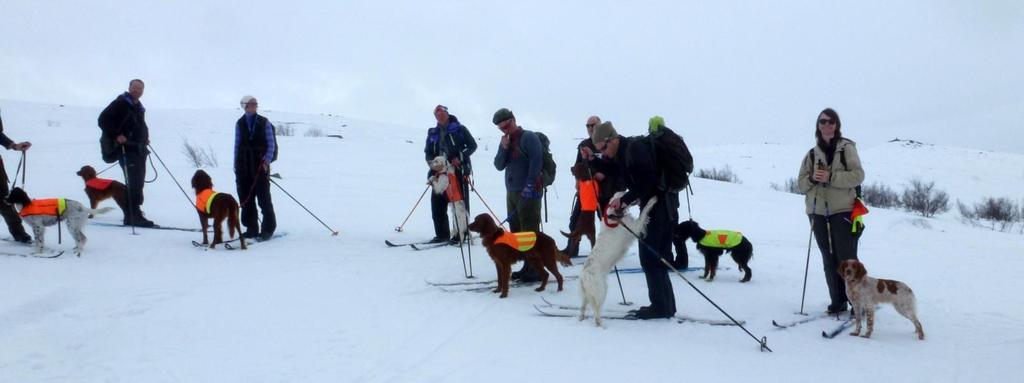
x=521, y=157
x=635, y=159
x=255, y=149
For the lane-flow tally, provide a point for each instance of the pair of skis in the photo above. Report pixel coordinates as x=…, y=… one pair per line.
x=828, y=334
x=551, y=309
x=231, y=244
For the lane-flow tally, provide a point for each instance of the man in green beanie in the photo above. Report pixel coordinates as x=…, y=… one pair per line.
x=521, y=157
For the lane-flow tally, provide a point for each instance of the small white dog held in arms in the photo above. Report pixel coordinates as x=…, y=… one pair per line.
x=46, y=212
x=444, y=177
x=612, y=243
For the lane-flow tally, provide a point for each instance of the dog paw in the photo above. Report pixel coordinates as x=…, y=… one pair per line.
x=498, y=290
x=503, y=296
x=539, y=289
x=866, y=336
x=855, y=333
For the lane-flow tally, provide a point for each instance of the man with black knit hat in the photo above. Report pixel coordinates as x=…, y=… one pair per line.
x=11, y=216
x=520, y=156
x=635, y=159
x=451, y=139
x=255, y=149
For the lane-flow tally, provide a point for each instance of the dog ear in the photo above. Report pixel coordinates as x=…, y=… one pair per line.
x=859, y=270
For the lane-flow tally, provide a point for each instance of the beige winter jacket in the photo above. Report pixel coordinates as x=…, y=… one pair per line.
x=840, y=191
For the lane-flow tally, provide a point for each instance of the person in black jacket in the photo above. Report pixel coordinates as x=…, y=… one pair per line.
x=255, y=148
x=634, y=158
x=125, y=120
x=452, y=140
x=11, y=216
x=604, y=172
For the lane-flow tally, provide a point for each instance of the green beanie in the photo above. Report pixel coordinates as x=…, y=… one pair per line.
x=655, y=123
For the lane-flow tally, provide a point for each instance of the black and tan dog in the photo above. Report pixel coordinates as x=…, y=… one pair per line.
x=715, y=242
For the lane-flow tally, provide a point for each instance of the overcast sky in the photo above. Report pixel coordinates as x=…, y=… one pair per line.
x=946, y=72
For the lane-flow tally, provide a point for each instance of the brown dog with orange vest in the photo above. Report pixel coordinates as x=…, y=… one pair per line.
x=536, y=248
x=219, y=206
x=100, y=189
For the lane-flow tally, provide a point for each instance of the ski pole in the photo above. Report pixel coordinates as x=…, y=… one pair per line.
x=132, y=209
x=763, y=342
x=807, y=263
x=333, y=232
x=399, y=227
x=190, y=203
x=472, y=186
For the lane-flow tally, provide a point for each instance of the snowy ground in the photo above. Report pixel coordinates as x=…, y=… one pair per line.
x=311, y=307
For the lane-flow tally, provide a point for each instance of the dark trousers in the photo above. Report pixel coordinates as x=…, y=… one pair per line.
x=439, y=212
x=524, y=214
x=11, y=217
x=254, y=188
x=844, y=246
x=134, y=167
x=658, y=240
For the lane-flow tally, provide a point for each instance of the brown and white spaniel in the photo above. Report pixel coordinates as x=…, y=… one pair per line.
x=866, y=292
x=99, y=189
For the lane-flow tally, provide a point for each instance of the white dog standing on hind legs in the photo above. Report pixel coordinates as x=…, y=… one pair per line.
x=440, y=182
x=612, y=243
x=48, y=212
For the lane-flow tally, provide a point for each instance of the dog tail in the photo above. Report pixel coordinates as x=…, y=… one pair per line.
x=102, y=210
x=562, y=258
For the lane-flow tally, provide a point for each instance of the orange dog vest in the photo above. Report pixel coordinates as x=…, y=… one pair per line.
x=588, y=195
x=454, y=188
x=204, y=199
x=99, y=183
x=522, y=241
x=52, y=206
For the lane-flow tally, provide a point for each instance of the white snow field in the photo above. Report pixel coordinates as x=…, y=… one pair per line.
x=309, y=307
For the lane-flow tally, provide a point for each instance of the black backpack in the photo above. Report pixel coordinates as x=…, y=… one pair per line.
x=672, y=159
x=547, y=171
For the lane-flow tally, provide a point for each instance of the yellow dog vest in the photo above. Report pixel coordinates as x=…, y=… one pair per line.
x=523, y=241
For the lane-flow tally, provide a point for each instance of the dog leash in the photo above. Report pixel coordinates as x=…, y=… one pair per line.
x=108, y=168
x=22, y=164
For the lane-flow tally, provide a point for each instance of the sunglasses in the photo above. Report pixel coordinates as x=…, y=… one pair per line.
x=826, y=121
x=591, y=125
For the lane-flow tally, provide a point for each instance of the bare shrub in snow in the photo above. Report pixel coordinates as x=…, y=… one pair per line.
x=725, y=174
x=199, y=157
x=879, y=195
x=314, y=132
x=284, y=129
x=924, y=199
x=790, y=186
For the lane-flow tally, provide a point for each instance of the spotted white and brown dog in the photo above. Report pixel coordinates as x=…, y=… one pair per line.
x=866, y=292
x=444, y=180
x=40, y=213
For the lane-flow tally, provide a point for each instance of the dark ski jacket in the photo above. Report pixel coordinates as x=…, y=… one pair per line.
x=5, y=141
x=453, y=141
x=126, y=117
x=610, y=184
x=637, y=173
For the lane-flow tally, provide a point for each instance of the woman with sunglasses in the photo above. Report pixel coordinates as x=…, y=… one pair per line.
x=829, y=177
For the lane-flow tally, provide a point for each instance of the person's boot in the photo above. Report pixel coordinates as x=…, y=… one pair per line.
x=250, y=234
x=22, y=238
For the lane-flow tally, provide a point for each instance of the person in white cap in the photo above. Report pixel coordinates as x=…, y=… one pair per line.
x=255, y=149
